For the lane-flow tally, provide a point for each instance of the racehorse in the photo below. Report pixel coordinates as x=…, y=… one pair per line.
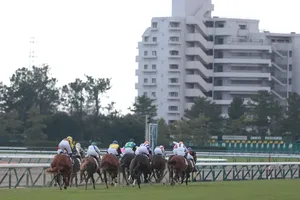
x=90, y=165
x=111, y=165
x=178, y=167
x=125, y=163
x=76, y=168
x=158, y=166
x=138, y=166
x=61, y=166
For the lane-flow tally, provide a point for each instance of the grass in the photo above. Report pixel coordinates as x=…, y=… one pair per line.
x=246, y=190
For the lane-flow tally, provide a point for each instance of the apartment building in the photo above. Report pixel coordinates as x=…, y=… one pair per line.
x=193, y=54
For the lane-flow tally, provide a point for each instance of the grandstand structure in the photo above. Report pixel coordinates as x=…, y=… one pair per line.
x=254, y=144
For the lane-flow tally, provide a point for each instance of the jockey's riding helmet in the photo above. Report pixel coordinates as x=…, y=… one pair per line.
x=94, y=143
x=131, y=140
x=190, y=148
x=115, y=142
x=70, y=138
x=161, y=147
x=146, y=142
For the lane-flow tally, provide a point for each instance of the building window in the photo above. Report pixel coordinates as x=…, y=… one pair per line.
x=145, y=66
x=173, y=108
x=173, y=80
x=174, y=24
x=153, y=53
x=145, y=94
x=154, y=67
x=153, y=80
x=146, y=39
x=153, y=94
x=243, y=26
x=145, y=53
x=154, y=39
x=290, y=67
x=154, y=24
x=173, y=66
x=174, y=53
x=174, y=39
x=173, y=94
x=145, y=80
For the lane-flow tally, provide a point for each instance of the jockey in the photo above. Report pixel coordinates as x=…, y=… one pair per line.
x=181, y=149
x=94, y=151
x=130, y=147
x=66, y=144
x=143, y=149
x=79, y=150
x=160, y=150
x=176, y=145
x=190, y=157
x=114, y=148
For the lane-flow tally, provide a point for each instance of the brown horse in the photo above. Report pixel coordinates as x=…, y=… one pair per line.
x=89, y=165
x=111, y=165
x=61, y=166
x=76, y=168
x=158, y=166
x=178, y=166
x=125, y=163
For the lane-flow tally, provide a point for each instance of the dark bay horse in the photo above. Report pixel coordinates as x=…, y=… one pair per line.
x=110, y=165
x=76, y=168
x=125, y=163
x=138, y=166
x=158, y=166
x=61, y=166
x=90, y=166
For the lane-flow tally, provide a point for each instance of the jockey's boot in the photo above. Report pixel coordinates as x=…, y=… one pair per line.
x=71, y=157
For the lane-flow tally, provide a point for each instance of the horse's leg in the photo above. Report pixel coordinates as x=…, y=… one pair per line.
x=187, y=178
x=93, y=180
x=100, y=175
x=139, y=179
x=105, y=178
x=87, y=179
x=76, y=179
x=182, y=176
x=57, y=179
x=124, y=175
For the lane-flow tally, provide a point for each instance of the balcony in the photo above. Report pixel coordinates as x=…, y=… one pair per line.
x=149, y=56
x=191, y=37
x=222, y=102
x=194, y=92
x=224, y=31
x=241, y=88
x=242, y=75
x=243, y=61
x=198, y=65
x=242, y=46
x=198, y=51
x=199, y=23
x=198, y=79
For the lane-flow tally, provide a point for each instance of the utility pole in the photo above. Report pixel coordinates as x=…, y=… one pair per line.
x=146, y=128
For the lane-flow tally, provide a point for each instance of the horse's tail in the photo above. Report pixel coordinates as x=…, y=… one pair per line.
x=83, y=166
x=53, y=170
x=172, y=162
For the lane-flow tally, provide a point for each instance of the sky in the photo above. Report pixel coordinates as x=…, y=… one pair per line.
x=99, y=38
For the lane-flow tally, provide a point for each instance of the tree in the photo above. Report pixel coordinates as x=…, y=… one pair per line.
x=95, y=88
x=203, y=106
x=199, y=130
x=265, y=111
x=292, y=119
x=236, y=109
x=144, y=106
x=163, y=133
x=11, y=124
x=35, y=126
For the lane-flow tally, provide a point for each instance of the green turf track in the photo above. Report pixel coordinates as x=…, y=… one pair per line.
x=246, y=190
x=245, y=159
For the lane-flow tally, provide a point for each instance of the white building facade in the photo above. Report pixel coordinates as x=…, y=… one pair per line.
x=193, y=54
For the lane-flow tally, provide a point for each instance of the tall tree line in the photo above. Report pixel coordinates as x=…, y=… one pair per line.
x=35, y=111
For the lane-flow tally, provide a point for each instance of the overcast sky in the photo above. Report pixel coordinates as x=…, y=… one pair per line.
x=99, y=37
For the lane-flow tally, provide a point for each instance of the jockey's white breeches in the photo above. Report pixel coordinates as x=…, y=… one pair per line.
x=143, y=149
x=180, y=151
x=64, y=145
x=158, y=151
x=128, y=151
x=112, y=151
x=189, y=156
x=175, y=151
x=92, y=152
